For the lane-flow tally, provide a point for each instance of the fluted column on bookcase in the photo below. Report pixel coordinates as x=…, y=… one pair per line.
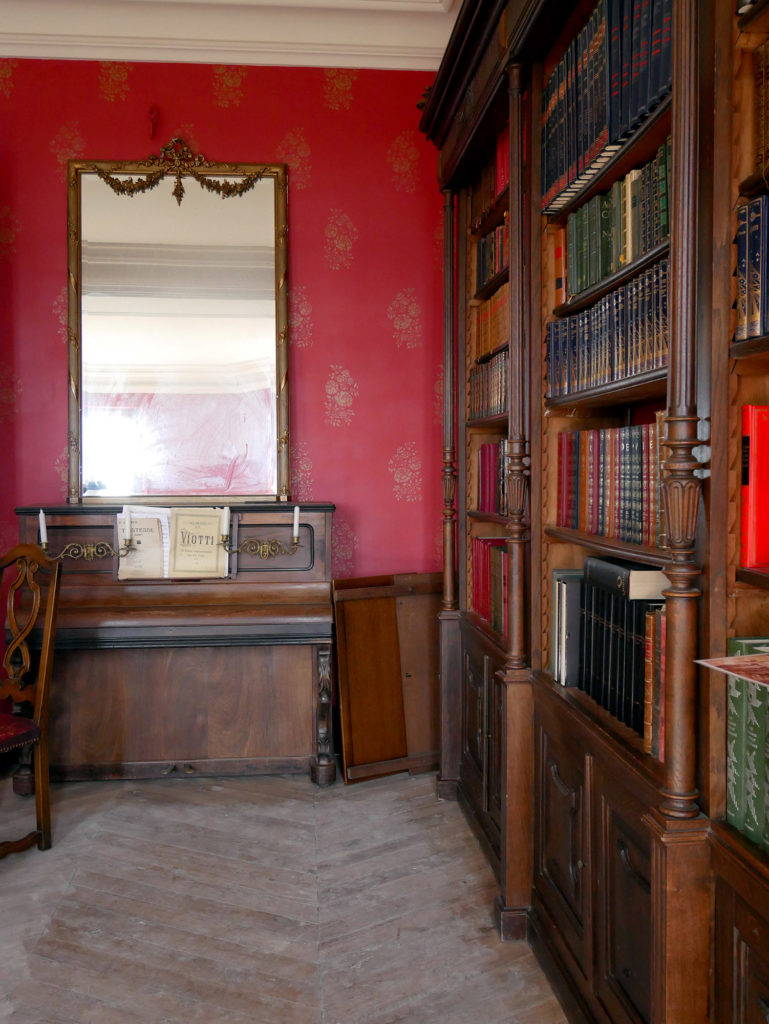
x=681, y=488
x=516, y=467
x=449, y=452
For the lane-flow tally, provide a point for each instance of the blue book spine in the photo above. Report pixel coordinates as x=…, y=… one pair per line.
x=741, y=239
x=756, y=232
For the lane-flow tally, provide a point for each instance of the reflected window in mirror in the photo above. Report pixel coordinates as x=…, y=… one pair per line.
x=178, y=330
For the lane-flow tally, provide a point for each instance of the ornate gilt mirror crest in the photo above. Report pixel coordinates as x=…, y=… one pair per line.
x=178, y=329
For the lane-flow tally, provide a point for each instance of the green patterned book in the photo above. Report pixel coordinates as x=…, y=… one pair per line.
x=746, y=738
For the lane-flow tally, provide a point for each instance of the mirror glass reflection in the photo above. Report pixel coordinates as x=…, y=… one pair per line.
x=178, y=341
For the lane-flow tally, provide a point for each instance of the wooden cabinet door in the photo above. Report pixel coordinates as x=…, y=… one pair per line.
x=474, y=716
x=495, y=724
x=623, y=903
x=562, y=864
x=742, y=961
x=482, y=724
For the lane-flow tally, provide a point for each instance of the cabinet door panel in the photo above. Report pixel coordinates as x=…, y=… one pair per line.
x=623, y=906
x=473, y=739
x=742, y=968
x=562, y=858
x=495, y=724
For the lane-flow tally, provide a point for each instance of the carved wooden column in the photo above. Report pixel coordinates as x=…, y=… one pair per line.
x=511, y=909
x=681, y=488
x=516, y=456
x=449, y=452
x=451, y=658
x=680, y=855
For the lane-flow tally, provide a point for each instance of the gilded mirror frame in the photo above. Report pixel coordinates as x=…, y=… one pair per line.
x=174, y=161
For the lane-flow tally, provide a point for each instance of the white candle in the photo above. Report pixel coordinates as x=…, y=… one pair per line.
x=127, y=522
x=43, y=528
x=225, y=521
x=296, y=522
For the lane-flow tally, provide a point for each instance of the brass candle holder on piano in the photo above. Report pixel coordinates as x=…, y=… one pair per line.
x=88, y=551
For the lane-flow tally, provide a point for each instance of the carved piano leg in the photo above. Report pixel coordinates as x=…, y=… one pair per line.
x=323, y=766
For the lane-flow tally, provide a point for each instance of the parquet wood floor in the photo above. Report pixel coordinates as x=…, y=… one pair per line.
x=257, y=901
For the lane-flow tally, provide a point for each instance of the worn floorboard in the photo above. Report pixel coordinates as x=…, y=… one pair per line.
x=256, y=901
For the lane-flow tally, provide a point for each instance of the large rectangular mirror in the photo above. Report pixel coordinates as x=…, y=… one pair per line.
x=178, y=329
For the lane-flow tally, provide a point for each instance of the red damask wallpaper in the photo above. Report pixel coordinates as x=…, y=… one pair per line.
x=365, y=242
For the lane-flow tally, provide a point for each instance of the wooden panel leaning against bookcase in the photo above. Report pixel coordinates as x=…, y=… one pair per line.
x=740, y=834
x=613, y=386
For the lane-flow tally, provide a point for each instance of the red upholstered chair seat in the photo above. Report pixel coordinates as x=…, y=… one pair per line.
x=16, y=731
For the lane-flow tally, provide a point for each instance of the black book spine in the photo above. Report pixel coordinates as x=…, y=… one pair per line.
x=655, y=52
x=643, y=58
x=635, y=57
x=666, y=47
x=614, y=65
x=626, y=41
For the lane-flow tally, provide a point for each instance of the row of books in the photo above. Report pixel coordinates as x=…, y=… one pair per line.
x=617, y=227
x=490, y=564
x=608, y=639
x=492, y=479
x=613, y=73
x=747, y=734
x=489, y=323
x=761, y=106
x=752, y=270
x=488, y=386
x=610, y=482
x=491, y=255
x=754, y=487
x=625, y=333
x=494, y=178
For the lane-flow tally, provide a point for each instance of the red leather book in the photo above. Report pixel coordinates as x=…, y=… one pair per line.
x=754, y=491
x=563, y=478
x=584, y=481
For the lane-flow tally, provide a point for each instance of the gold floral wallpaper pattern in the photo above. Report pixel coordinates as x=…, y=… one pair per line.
x=364, y=282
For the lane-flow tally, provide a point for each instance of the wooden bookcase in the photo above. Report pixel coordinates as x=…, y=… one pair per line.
x=603, y=852
x=740, y=602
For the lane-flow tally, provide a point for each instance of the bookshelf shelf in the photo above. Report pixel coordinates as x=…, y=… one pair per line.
x=643, y=387
x=592, y=295
x=490, y=355
x=755, y=577
x=481, y=626
x=637, y=149
x=487, y=517
x=750, y=348
x=627, y=744
x=608, y=546
x=488, y=424
x=490, y=286
x=495, y=214
x=754, y=185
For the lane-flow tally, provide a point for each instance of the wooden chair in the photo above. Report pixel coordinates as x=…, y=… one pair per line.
x=26, y=677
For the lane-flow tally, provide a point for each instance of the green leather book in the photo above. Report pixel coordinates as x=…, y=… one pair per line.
x=746, y=738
